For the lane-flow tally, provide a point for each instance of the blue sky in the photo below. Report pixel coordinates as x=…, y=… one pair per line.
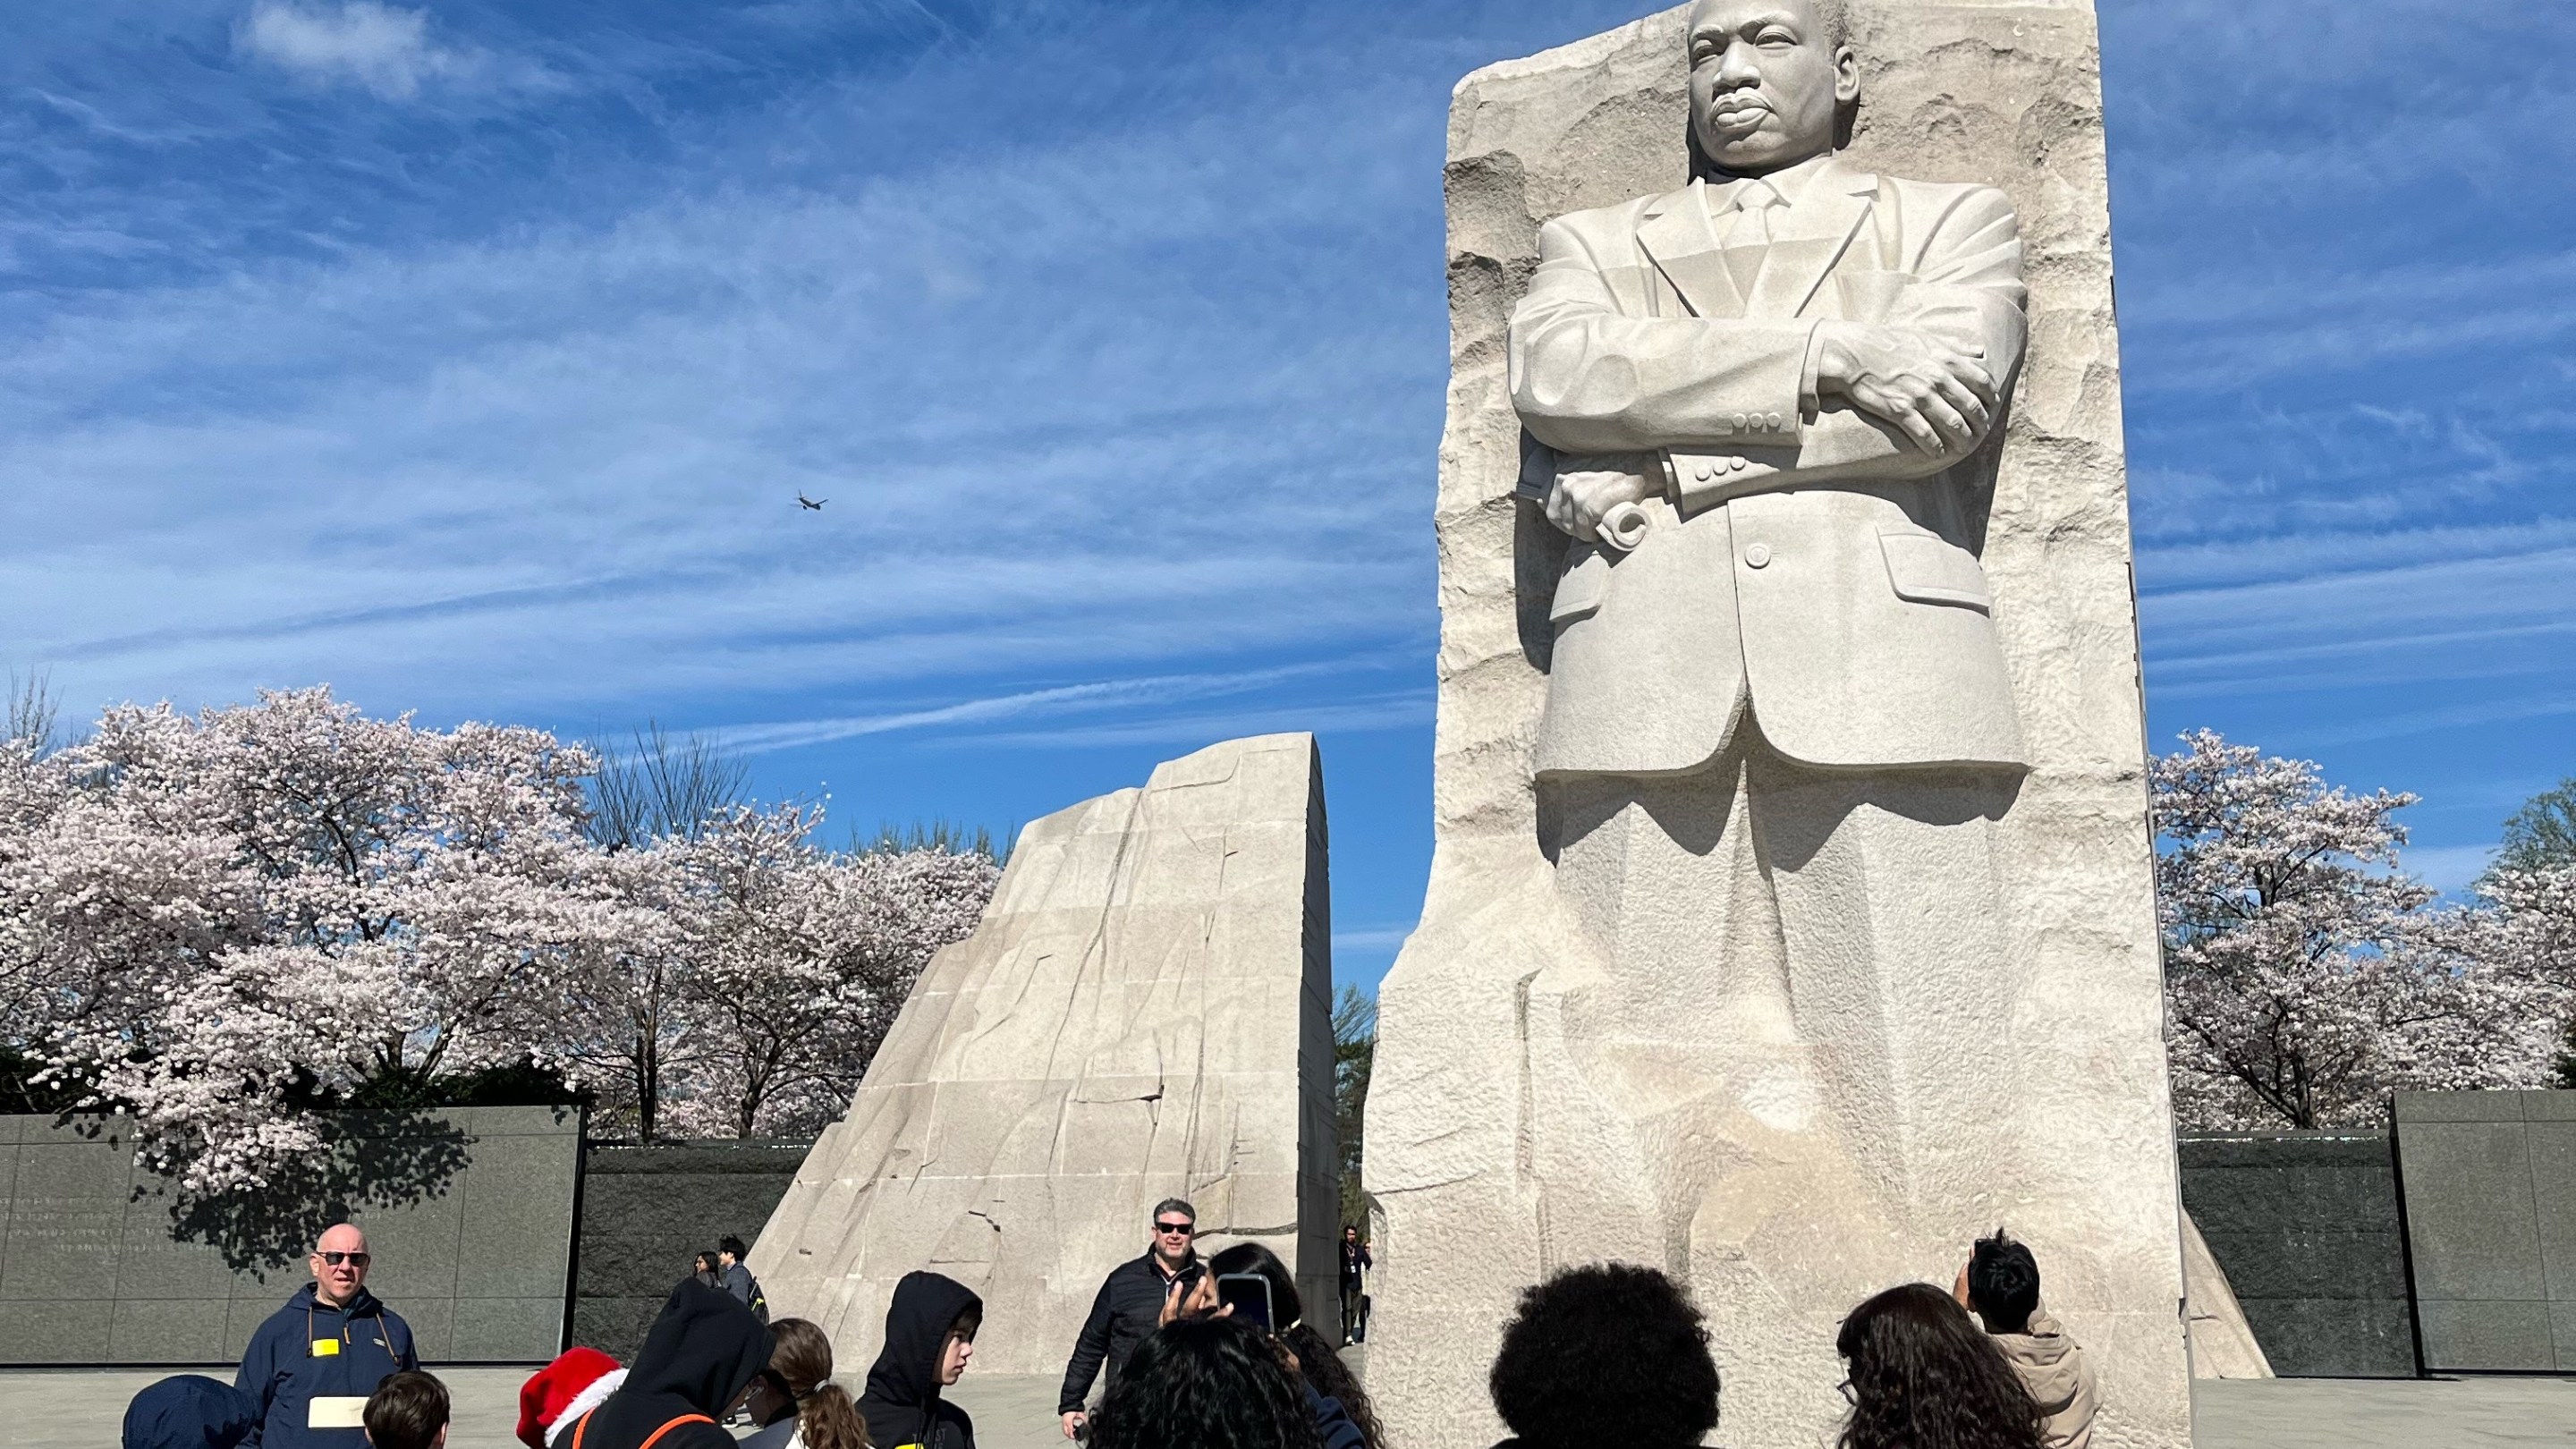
x=468, y=356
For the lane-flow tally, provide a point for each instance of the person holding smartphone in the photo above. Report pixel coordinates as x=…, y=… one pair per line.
x=1129, y=1306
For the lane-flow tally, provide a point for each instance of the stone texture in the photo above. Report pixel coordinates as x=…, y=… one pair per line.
x=1494, y=1153
x=2305, y=1226
x=1144, y=1012
x=468, y=1211
x=2489, y=1181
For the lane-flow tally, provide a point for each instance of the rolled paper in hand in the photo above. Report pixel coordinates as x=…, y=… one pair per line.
x=1624, y=526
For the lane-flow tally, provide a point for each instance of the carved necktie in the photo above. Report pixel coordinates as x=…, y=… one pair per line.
x=1748, y=237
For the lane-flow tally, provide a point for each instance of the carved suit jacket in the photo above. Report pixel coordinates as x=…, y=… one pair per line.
x=1810, y=559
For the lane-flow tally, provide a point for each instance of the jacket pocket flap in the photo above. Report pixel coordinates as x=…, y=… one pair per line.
x=1929, y=569
x=1585, y=584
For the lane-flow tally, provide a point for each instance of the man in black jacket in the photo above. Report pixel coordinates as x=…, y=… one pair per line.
x=1129, y=1306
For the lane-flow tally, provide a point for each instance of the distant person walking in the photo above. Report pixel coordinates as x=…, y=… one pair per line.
x=1356, y=1264
x=311, y=1366
x=709, y=1270
x=1128, y=1307
x=2000, y=1284
x=736, y=1279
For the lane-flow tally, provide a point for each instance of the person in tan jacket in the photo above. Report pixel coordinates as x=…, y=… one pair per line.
x=2000, y=1284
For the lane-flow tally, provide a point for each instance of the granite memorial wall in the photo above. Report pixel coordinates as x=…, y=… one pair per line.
x=2306, y=1226
x=468, y=1212
x=647, y=1211
x=2488, y=1180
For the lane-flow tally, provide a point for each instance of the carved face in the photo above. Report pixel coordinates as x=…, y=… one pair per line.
x=1766, y=79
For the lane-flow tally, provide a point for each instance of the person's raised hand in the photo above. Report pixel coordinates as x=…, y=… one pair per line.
x=1938, y=394
x=1190, y=1297
x=1587, y=488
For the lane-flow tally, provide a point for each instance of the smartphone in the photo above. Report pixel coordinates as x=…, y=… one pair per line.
x=1250, y=1295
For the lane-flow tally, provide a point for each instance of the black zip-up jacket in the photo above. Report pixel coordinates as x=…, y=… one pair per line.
x=1129, y=1306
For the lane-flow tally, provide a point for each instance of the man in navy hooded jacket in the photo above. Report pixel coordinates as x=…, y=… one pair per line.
x=311, y=1366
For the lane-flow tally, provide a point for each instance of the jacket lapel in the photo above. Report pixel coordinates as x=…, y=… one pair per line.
x=1677, y=235
x=1831, y=213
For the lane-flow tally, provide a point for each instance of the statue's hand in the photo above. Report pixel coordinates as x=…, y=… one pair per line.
x=1587, y=488
x=1943, y=398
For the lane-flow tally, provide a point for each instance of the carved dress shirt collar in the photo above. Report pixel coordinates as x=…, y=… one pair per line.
x=1789, y=183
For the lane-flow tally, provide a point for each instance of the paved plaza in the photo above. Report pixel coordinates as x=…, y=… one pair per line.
x=81, y=1408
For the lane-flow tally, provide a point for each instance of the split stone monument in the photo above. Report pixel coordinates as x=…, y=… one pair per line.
x=1791, y=920
x=1144, y=1012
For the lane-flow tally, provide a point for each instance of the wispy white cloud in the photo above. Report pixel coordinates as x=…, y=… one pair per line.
x=1156, y=692
x=1364, y=715
x=384, y=48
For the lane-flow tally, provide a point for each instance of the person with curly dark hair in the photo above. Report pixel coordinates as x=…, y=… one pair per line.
x=1608, y=1354
x=1924, y=1376
x=1337, y=1388
x=1205, y=1383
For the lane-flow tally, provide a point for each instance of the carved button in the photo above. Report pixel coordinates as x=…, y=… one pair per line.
x=1702, y=471
x=1776, y=425
x=1738, y=465
x=1740, y=421
x=1757, y=556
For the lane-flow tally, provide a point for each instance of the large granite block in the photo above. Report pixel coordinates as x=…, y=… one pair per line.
x=1651, y=922
x=2306, y=1226
x=102, y=1261
x=2490, y=1191
x=1137, y=1017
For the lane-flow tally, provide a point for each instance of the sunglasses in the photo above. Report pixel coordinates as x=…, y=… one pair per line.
x=1178, y=1230
x=354, y=1260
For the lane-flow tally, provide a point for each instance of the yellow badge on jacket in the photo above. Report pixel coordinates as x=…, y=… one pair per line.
x=326, y=1348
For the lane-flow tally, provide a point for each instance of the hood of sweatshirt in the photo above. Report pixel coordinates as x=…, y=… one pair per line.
x=2047, y=1360
x=925, y=1307
x=189, y=1412
x=703, y=1350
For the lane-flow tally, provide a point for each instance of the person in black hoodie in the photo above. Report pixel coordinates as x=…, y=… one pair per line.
x=698, y=1358
x=930, y=1334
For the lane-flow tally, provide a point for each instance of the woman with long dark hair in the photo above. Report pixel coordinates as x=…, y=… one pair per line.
x=1205, y=1383
x=1316, y=1360
x=1924, y=1376
x=794, y=1400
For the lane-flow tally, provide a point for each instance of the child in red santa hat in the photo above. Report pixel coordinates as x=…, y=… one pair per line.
x=556, y=1396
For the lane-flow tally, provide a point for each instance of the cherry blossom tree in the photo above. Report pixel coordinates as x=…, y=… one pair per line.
x=249, y=912
x=802, y=959
x=228, y=923
x=2307, y=977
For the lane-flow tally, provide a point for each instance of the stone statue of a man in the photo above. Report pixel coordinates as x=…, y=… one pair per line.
x=1778, y=728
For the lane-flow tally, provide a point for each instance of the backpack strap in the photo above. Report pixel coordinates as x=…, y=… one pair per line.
x=656, y=1436
x=583, y=1424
